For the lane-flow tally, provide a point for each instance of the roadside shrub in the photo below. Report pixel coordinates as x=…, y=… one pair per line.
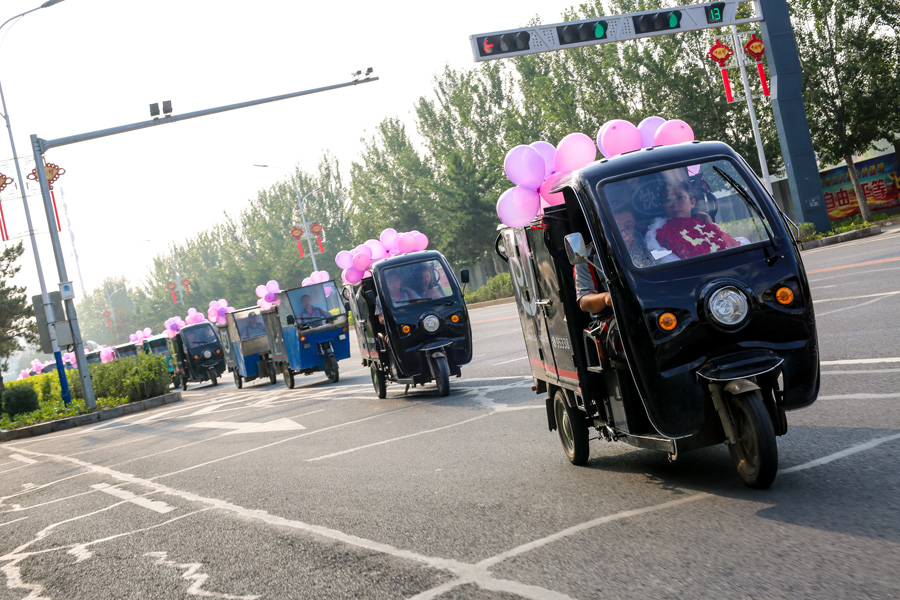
x=807, y=231
x=20, y=399
x=499, y=286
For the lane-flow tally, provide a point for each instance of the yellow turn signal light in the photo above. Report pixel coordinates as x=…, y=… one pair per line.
x=667, y=321
x=455, y=318
x=195, y=356
x=406, y=329
x=218, y=352
x=302, y=338
x=784, y=296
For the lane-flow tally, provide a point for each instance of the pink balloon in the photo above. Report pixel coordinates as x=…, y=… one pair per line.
x=377, y=248
x=524, y=166
x=407, y=242
x=306, y=281
x=222, y=311
x=272, y=286
x=263, y=304
x=648, y=128
x=389, y=238
x=367, y=274
x=261, y=291
x=363, y=249
x=361, y=262
x=269, y=297
x=421, y=241
x=212, y=314
x=620, y=137
x=343, y=259
x=223, y=303
x=517, y=207
x=575, y=151
x=600, y=136
x=673, y=132
x=132, y=338
x=546, y=196
x=548, y=153
x=213, y=304
x=353, y=275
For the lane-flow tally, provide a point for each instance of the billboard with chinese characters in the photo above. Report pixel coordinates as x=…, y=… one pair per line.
x=879, y=178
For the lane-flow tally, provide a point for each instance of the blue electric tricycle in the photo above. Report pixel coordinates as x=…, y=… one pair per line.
x=248, y=356
x=308, y=332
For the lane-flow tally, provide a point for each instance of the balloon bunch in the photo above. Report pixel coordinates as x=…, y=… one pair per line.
x=173, y=325
x=140, y=335
x=69, y=357
x=36, y=366
x=107, y=355
x=535, y=169
x=24, y=373
x=316, y=277
x=193, y=316
x=268, y=295
x=355, y=263
x=218, y=310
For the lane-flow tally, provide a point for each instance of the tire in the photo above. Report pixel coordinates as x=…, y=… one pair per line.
x=442, y=375
x=213, y=378
x=176, y=382
x=238, y=381
x=378, y=381
x=331, y=368
x=288, y=377
x=755, y=454
x=273, y=376
x=184, y=383
x=572, y=427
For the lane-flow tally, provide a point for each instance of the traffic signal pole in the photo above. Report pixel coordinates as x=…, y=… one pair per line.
x=781, y=50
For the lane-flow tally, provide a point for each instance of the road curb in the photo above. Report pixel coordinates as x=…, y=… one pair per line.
x=94, y=417
x=842, y=237
x=491, y=303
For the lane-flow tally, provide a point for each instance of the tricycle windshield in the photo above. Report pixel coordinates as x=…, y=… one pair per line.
x=200, y=336
x=314, y=304
x=249, y=324
x=158, y=346
x=684, y=213
x=416, y=282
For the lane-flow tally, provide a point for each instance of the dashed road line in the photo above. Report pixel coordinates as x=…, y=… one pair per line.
x=154, y=505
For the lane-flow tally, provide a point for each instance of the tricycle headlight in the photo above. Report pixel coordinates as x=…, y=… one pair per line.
x=728, y=306
x=431, y=323
x=207, y=354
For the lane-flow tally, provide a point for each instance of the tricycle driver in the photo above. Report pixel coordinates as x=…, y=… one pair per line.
x=308, y=312
x=599, y=304
x=397, y=291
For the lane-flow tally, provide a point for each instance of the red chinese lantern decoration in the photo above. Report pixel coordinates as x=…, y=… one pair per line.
x=4, y=232
x=172, y=287
x=755, y=49
x=107, y=314
x=186, y=284
x=53, y=172
x=316, y=230
x=297, y=234
x=720, y=54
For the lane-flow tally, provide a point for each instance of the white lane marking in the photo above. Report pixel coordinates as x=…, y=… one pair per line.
x=13, y=469
x=104, y=447
x=837, y=310
x=268, y=427
x=859, y=371
x=192, y=574
x=396, y=439
x=509, y=361
x=860, y=396
x=154, y=505
x=13, y=521
x=860, y=361
x=19, y=508
x=24, y=459
x=842, y=454
x=820, y=300
x=823, y=287
x=852, y=273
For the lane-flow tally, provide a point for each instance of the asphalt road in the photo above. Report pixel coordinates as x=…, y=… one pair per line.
x=327, y=492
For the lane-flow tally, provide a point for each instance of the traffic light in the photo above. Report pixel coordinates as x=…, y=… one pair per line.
x=661, y=21
x=582, y=32
x=715, y=12
x=494, y=45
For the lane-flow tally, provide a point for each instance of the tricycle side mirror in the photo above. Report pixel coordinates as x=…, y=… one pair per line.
x=576, y=250
x=464, y=276
x=290, y=320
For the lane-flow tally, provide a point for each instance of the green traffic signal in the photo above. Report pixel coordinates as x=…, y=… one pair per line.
x=582, y=32
x=661, y=21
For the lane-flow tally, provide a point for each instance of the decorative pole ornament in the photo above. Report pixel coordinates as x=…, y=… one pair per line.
x=53, y=172
x=720, y=54
x=172, y=287
x=316, y=230
x=186, y=284
x=107, y=314
x=756, y=49
x=4, y=232
x=297, y=234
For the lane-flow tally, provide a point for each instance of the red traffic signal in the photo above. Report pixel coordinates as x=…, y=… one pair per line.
x=493, y=45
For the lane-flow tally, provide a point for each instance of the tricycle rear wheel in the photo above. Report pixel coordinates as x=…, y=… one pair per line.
x=184, y=382
x=378, y=381
x=238, y=381
x=755, y=453
x=288, y=376
x=270, y=367
x=572, y=427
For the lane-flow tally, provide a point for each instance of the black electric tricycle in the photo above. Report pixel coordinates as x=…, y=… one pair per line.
x=196, y=354
x=411, y=321
x=716, y=335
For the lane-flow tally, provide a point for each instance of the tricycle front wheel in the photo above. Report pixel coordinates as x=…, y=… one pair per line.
x=442, y=375
x=378, y=381
x=332, y=369
x=755, y=452
x=572, y=427
x=238, y=380
x=288, y=376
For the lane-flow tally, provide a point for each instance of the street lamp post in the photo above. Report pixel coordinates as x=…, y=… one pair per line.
x=302, y=201
x=45, y=297
x=177, y=278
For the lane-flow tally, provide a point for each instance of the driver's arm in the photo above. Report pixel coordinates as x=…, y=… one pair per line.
x=595, y=302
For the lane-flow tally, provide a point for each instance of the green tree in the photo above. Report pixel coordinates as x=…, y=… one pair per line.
x=850, y=58
x=17, y=324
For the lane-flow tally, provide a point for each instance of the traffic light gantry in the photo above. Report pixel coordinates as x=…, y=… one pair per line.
x=587, y=32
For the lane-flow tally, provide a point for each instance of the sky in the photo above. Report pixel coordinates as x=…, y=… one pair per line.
x=86, y=65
